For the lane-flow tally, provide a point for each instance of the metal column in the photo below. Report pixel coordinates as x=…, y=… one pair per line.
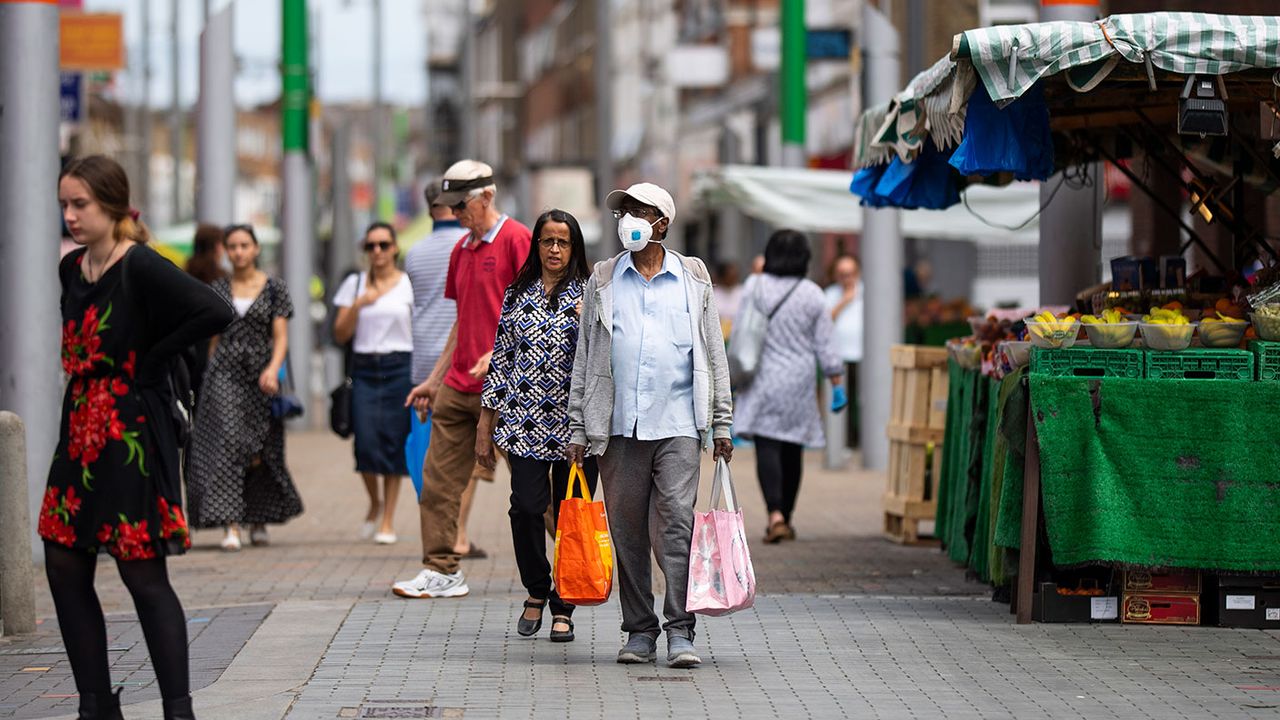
x=881, y=258
x=216, y=123
x=30, y=379
x=1070, y=254
x=299, y=230
x=604, y=121
x=793, y=92
x=175, y=115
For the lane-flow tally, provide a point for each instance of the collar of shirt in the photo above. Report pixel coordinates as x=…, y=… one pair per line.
x=489, y=236
x=445, y=224
x=670, y=264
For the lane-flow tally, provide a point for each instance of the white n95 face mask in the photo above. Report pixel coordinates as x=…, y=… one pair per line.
x=634, y=232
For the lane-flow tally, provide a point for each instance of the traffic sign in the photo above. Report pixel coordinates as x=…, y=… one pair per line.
x=71, y=97
x=828, y=43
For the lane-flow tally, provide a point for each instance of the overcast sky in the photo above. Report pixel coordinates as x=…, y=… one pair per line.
x=341, y=56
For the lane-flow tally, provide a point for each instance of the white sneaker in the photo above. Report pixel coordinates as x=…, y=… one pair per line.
x=231, y=541
x=385, y=538
x=432, y=584
x=367, y=529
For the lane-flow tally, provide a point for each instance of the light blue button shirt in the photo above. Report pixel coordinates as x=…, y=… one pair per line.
x=652, y=353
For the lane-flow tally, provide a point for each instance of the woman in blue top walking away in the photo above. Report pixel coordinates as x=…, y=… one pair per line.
x=526, y=401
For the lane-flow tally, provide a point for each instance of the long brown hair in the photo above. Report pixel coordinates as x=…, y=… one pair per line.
x=203, y=263
x=109, y=185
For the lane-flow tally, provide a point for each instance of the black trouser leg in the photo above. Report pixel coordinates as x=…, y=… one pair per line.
x=792, y=468
x=84, y=631
x=531, y=491
x=769, y=471
x=163, y=623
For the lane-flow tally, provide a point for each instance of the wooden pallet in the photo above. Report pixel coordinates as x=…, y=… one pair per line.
x=917, y=421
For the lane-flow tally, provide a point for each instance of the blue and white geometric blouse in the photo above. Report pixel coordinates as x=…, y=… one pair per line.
x=529, y=374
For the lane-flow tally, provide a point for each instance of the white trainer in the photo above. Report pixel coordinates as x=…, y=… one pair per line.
x=231, y=541
x=385, y=538
x=367, y=529
x=432, y=584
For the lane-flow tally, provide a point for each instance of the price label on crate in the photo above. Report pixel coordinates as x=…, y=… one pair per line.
x=1104, y=608
x=1273, y=613
x=1241, y=602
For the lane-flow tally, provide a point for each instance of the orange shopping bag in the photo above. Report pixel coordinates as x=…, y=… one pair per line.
x=584, y=555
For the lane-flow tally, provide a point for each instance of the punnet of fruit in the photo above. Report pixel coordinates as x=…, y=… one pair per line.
x=1222, y=331
x=1266, y=320
x=1164, y=329
x=1109, y=330
x=1047, y=330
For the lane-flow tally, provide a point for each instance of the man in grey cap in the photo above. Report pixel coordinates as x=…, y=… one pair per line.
x=650, y=389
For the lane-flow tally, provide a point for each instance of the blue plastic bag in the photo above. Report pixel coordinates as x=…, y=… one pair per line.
x=415, y=448
x=1015, y=138
x=928, y=182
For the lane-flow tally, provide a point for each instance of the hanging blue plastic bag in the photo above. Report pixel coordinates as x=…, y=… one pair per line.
x=415, y=448
x=1015, y=138
x=928, y=182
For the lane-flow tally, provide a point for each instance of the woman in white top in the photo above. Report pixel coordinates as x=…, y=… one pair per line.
x=375, y=315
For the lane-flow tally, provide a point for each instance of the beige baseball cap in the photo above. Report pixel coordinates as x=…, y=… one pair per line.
x=647, y=193
x=461, y=178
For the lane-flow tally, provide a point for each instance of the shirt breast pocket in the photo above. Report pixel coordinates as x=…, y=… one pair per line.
x=681, y=332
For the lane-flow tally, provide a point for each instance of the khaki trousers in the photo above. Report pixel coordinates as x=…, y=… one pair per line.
x=451, y=459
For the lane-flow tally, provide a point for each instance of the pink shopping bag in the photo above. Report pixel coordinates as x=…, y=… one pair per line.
x=721, y=579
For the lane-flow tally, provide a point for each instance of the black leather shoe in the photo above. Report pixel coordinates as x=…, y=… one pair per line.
x=561, y=635
x=530, y=627
x=100, y=706
x=179, y=709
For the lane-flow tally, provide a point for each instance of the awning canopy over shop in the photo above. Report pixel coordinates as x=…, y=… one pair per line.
x=819, y=201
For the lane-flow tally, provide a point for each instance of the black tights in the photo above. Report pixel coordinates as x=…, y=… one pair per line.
x=779, y=465
x=84, y=630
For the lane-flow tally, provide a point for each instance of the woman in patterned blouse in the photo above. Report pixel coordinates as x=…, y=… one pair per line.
x=526, y=399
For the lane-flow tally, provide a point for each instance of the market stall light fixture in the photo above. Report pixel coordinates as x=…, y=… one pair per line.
x=1202, y=109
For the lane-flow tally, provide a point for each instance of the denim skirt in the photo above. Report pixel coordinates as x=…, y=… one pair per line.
x=379, y=385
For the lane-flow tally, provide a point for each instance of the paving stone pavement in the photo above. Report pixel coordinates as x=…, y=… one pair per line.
x=847, y=625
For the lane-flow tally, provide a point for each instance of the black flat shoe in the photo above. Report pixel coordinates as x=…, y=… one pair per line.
x=530, y=627
x=561, y=635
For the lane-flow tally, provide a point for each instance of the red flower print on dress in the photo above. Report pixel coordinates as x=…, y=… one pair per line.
x=130, y=363
x=172, y=523
x=127, y=541
x=56, y=514
x=95, y=420
x=82, y=349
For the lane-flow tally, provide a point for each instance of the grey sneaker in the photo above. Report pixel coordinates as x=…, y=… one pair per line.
x=431, y=584
x=640, y=648
x=680, y=652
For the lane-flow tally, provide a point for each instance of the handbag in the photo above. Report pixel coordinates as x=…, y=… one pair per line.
x=746, y=340
x=721, y=578
x=285, y=404
x=584, y=553
x=340, y=420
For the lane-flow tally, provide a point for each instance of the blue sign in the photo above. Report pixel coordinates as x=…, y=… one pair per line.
x=829, y=44
x=71, y=105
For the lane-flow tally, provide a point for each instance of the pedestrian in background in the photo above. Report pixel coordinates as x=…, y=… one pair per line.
x=237, y=473
x=779, y=409
x=728, y=293
x=525, y=404
x=207, y=263
x=844, y=300
x=481, y=267
x=375, y=311
x=114, y=484
x=650, y=390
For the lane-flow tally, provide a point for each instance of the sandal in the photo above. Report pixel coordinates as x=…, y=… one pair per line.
x=528, y=627
x=776, y=533
x=561, y=635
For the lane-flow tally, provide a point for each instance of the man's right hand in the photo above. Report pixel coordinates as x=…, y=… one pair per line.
x=575, y=453
x=422, y=397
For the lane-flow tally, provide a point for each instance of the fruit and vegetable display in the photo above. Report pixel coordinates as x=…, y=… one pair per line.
x=1047, y=330
x=1267, y=321
x=1167, y=329
x=1222, y=331
x=1110, y=330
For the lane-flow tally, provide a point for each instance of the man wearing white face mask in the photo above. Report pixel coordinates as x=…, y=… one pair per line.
x=650, y=389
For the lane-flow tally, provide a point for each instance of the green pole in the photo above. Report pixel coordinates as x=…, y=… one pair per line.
x=296, y=94
x=792, y=107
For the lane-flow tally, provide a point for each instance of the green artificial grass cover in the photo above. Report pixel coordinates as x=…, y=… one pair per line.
x=1160, y=473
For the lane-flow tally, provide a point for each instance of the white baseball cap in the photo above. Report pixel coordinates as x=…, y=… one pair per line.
x=647, y=193
x=461, y=178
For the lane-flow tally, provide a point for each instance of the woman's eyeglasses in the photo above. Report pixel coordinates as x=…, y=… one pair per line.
x=383, y=245
x=550, y=242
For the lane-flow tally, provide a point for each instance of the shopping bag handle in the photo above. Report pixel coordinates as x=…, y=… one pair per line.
x=575, y=473
x=723, y=481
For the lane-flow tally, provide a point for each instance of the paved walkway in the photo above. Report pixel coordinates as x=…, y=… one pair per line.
x=846, y=625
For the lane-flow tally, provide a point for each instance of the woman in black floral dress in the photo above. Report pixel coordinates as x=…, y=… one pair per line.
x=237, y=472
x=114, y=485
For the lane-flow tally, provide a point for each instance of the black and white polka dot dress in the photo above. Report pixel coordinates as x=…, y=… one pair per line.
x=237, y=470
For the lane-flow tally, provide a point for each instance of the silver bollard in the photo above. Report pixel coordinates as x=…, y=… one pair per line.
x=17, y=596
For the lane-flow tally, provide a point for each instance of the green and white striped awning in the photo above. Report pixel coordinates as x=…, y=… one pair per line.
x=1009, y=59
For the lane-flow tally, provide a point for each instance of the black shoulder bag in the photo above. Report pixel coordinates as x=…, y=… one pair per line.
x=340, y=399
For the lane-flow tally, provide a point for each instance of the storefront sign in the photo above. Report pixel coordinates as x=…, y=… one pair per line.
x=72, y=109
x=91, y=41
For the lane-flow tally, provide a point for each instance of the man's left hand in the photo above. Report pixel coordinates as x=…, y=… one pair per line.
x=723, y=449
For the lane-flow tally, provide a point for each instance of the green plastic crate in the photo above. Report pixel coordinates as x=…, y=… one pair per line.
x=1088, y=362
x=1200, y=364
x=1266, y=357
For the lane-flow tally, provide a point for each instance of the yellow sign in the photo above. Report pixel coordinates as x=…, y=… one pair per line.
x=91, y=41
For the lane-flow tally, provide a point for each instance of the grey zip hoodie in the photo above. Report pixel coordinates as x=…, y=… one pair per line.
x=591, y=391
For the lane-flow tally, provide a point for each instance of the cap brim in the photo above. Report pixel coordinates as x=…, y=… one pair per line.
x=449, y=199
x=614, y=200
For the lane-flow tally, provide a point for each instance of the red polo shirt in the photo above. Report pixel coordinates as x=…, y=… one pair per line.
x=478, y=278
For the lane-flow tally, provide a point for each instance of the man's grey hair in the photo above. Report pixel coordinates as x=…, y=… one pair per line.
x=477, y=192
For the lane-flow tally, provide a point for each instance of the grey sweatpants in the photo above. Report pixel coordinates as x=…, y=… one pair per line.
x=650, y=487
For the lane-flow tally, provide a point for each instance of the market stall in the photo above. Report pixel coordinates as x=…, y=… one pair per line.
x=1124, y=469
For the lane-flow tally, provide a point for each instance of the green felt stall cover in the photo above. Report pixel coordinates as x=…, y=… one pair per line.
x=1160, y=473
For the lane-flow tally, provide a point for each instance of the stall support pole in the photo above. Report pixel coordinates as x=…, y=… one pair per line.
x=1030, y=523
x=882, y=261
x=216, y=122
x=298, y=214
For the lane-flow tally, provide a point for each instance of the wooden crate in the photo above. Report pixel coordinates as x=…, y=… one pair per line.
x=916, y=425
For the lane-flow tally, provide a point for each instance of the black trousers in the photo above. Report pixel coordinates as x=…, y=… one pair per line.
x=779, y=465
x=535, y=484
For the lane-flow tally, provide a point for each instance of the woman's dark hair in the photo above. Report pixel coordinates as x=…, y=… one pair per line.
x=531, y=272
x=380, y=225
x=203, y=263
x=787, y=254
x=109, y=185
x=245, y=228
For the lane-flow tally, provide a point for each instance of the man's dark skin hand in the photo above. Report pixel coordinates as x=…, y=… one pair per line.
x=575, y=453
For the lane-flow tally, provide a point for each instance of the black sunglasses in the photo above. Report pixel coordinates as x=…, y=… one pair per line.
x=383, y=245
